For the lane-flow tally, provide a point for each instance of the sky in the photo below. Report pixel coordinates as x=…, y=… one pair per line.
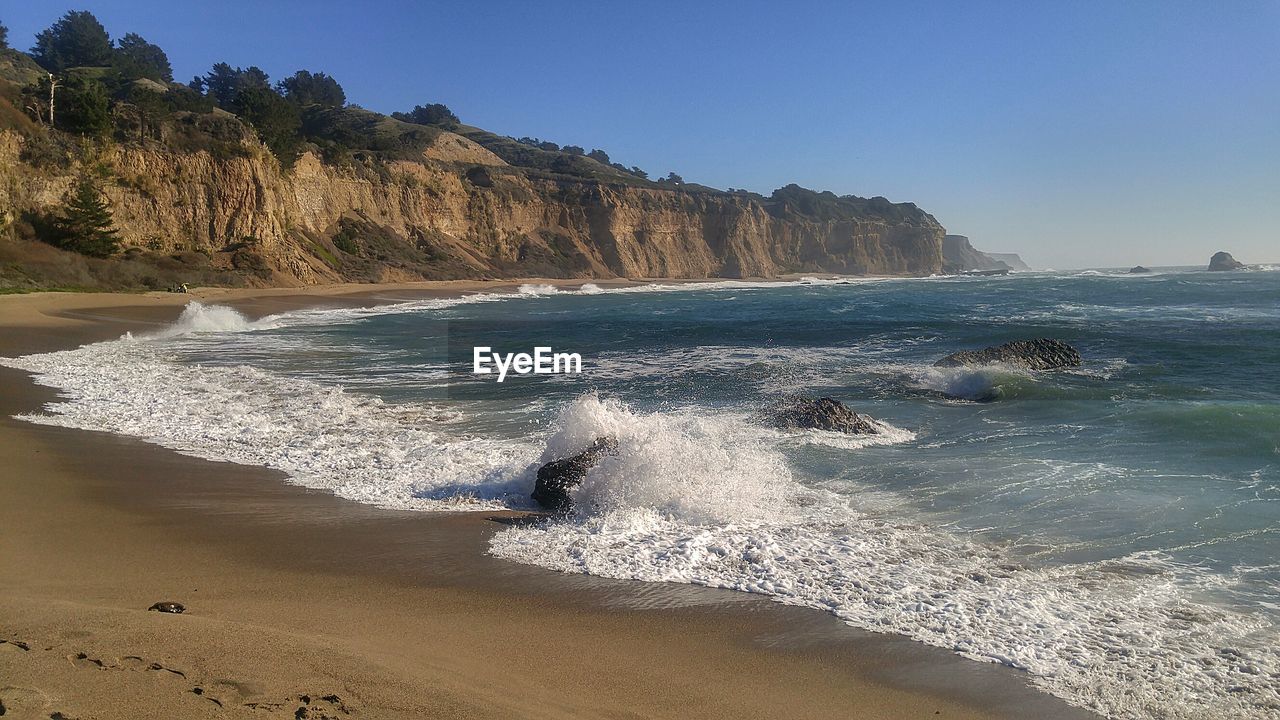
x=1078, y=134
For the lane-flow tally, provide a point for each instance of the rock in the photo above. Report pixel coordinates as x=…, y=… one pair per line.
x=806, y=413
x=1138, y=270
x=557, y=478
x=1041, y=354
x=1224, y=261
x=168, y=606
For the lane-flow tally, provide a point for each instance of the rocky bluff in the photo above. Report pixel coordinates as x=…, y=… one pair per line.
x=456, y=210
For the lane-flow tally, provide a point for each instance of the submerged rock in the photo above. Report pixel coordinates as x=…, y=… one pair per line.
x=558, y=478
x=1041, y=354
x=1224, y=261
x=1138, y=270
x=168, y=606
x=821, y=414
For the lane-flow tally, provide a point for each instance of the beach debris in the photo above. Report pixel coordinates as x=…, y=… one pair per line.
x=558, y=477
x=168, y=606
x=1222, y=260
x=798, y=412
x=1039, y=354
x=1138, y=270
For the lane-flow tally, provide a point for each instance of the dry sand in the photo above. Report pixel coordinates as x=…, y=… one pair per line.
x=300, y=604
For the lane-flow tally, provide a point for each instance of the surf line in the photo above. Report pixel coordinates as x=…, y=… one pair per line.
x=543, y=361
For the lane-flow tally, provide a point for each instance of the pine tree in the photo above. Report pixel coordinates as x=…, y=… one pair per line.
x=76, y=40
x=86, y=222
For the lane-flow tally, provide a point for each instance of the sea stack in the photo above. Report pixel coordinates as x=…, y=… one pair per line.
x=1138, y=270
x=1223, y=261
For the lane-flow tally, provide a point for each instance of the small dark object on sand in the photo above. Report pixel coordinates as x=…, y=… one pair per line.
x=168, y=606
x=558, y=477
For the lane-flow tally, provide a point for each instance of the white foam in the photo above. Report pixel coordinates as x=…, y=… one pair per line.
x=692, y=467
x=978, y=382
x=532, y=289
x=353, y=445
x=697, y=499
x=887, y=435
x=1119, y=637
x=199, y=318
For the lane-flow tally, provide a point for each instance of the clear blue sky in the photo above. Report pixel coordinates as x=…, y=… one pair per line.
x=1076, y=133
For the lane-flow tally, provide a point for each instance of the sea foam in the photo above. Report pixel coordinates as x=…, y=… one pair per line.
x=700, y=497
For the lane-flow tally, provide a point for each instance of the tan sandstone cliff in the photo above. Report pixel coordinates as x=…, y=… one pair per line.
x=457, y=211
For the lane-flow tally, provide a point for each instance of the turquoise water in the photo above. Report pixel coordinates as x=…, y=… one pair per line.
x=1112, y=529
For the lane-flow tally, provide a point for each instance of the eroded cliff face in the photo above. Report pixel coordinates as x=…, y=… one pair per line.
x=461, y=214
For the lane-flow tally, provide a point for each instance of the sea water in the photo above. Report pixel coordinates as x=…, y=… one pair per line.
x=1111, y=529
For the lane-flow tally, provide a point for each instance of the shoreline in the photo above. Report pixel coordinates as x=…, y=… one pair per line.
x=295, y=594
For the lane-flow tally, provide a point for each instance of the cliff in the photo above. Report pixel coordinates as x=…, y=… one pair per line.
x=453, y=210
x=264, y=189
x=1011, y=259
x=958, y=255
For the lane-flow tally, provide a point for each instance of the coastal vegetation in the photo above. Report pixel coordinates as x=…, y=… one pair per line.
x=107, y=157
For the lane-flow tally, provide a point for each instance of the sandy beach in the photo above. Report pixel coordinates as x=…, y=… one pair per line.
x=301, y=604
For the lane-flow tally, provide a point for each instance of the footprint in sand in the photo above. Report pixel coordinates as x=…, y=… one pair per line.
x=23, y=702
x=84, y=662
x=14, y=645
x=307, y=707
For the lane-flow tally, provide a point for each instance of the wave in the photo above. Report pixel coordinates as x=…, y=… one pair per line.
x=981, y=383
x=704, y=498
x=197, y=317
x=532, y=289
x=321, y=436
x=686, y=466
x=1119, y=637
x=705, y=501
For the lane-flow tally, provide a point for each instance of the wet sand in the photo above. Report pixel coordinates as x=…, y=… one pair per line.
x=301, y=604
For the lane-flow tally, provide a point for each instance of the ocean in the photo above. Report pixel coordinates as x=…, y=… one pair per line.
x=1112, y=529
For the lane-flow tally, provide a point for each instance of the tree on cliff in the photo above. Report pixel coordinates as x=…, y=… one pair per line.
x=86, y=109
x=76, y=40
x=82, y=104
x=145, y=108
x=223, y=82
x=277, y=120
x=85, y=225
x=136, y=58
x=434, y=114
x=306, y=88
x=4, y=37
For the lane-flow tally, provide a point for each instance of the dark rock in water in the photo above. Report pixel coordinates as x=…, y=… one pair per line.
x=1224, y=261
x=1138, y=270
x=557, y=478
x=1041, y=354
x=168, y=606
x=821, y=414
